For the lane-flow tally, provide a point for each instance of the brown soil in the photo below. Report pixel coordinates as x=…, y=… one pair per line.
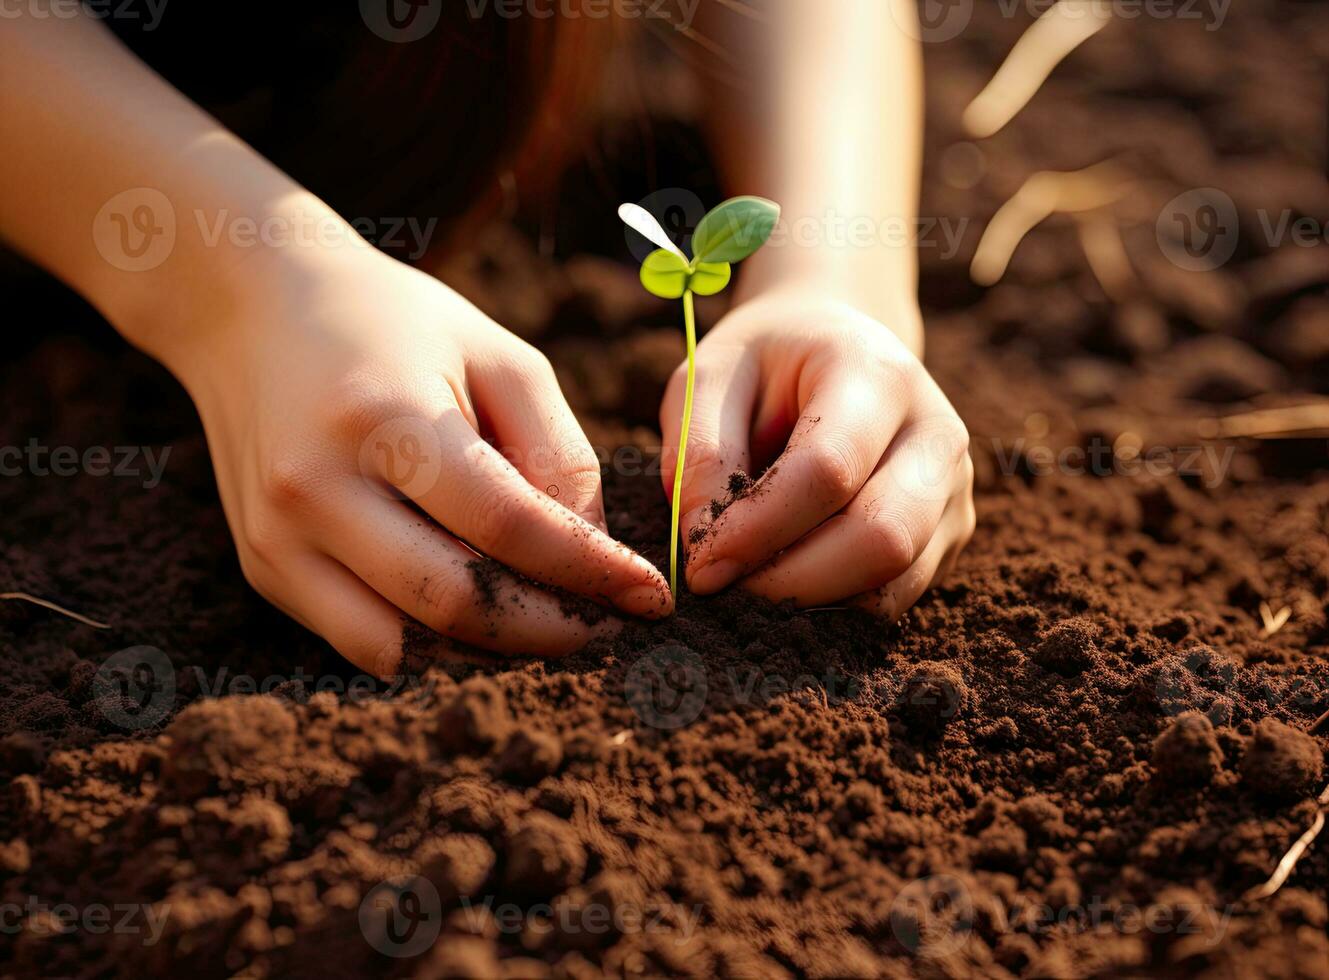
x=1073, y=758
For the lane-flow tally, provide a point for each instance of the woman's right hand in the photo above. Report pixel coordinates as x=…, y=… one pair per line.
x=348, y=400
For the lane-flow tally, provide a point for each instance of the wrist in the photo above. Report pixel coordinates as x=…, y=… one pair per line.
x=875, y=285
x=219, y=262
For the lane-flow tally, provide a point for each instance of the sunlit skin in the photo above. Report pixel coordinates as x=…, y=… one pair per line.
x=871, y=499
x=296, y=356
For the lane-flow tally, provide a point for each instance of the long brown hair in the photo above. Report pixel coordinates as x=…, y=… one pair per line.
x=430, y=128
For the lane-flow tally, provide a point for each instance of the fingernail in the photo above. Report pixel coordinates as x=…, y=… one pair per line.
x=715, y=576
x=649, y=601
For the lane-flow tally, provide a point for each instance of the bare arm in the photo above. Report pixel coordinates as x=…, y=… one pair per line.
x=816, y=371
x=832, y=130
x=340, y=390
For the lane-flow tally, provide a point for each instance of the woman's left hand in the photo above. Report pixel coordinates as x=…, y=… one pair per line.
x=871, y=497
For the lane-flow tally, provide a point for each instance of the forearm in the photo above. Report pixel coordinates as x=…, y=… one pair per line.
x=94, y=138
x=832, y=130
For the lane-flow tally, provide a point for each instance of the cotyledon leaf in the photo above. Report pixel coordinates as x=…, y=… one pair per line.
x=665, y=274
x=735, y=229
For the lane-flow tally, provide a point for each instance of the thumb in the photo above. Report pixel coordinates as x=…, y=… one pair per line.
x=718, y=439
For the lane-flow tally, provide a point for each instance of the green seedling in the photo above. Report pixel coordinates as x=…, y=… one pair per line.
x=728, y=234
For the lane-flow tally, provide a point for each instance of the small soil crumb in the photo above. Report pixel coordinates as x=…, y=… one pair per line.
x=476, y=717
x=21, y=752
x=934, y=694
x=1069, y=648
x=458, y=865
x=227, y=742
x=1187, y=751
x=530, y=756
x=454, y=957
x=544, y=856
x=1281, y=762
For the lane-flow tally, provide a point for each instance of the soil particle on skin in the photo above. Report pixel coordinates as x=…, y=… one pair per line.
x=494, y=585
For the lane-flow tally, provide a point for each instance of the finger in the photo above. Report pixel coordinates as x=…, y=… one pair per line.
x=482, y=499
x=431, y=576
x=324, y=597
x=725, y=392
x=896, y=598
x=537, y=432
x=844, y=428
x=879, y=535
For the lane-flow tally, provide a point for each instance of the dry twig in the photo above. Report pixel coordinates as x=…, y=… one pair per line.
x=1057, y=33
x=1045, y=193
x=1274, y=621
x=1290, y=859
x=47, y=604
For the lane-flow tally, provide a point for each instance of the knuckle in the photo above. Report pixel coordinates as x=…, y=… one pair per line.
x=833, y=470
x=257, y=571
x=578, y=473
x=497, y=520
x=289, y=483
x=890, y=543
x=951, y=436
x=263, y=539
x=443, y=600
x=385, y=659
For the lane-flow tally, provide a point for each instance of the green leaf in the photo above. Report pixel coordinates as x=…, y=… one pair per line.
x=710, y=278
x=665, y=274
x=735, y=229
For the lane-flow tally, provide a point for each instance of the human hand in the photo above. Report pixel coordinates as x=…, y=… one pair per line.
x=871, y=498
x=347, y=400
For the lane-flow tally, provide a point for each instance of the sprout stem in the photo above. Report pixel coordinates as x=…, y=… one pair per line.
x=690, y=324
